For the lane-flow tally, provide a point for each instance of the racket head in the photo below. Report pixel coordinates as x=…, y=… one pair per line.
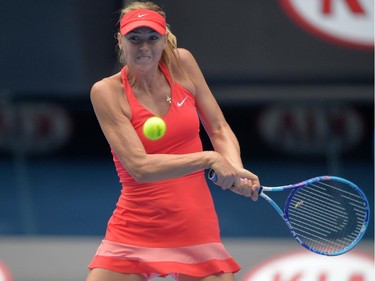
x=327, y=215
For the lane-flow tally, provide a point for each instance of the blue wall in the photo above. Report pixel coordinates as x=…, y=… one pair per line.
x=77, y=197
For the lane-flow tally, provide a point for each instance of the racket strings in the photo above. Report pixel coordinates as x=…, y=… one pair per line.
x=327, y=216
x=320, y=219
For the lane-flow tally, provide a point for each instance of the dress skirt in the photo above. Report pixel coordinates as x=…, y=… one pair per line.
x=170, y=229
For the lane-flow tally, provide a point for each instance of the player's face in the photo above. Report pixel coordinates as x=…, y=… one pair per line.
x=143, y=47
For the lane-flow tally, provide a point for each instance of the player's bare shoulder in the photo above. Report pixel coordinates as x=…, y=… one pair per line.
x=108, y=93
x=186, y=57
x=183, y=73
x=107, y=86
x=189, y=64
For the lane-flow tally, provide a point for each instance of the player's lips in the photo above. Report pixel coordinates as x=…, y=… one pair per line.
x=144, y=57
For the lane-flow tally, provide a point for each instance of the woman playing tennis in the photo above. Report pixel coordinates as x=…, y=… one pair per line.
x=164, y=222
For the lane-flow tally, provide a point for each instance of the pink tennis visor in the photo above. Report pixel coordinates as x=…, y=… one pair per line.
x=140, y=18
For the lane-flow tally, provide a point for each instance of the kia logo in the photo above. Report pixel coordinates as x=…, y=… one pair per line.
x=304, y=266
x=349, y=22
x=311, y=129
x=4, y=272
x=33, y=128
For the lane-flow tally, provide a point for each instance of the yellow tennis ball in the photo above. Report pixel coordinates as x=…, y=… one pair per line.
x=154, y=128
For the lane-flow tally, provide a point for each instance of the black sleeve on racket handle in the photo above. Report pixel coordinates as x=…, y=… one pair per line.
x=213, y=177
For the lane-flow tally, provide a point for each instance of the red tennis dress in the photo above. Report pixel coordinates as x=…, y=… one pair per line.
x=166, y=227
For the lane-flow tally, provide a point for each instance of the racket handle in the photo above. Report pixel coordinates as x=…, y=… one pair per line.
x=213, y=177
x=260, y=190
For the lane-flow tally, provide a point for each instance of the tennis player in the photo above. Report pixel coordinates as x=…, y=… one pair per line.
x=164, y=223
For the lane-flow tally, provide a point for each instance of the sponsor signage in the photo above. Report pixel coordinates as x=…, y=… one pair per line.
x=33, y=128
x=306, y=266
x=302, y=130
x=349, y=22
x=4, y=272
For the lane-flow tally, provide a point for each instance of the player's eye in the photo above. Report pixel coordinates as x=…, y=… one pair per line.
x=154, y=38
x=136, y=39
x=133, y=38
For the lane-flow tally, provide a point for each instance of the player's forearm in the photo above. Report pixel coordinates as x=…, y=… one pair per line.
x=155, y=167
x=225, y=142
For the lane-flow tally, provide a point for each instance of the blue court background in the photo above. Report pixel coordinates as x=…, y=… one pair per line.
x=77, y=198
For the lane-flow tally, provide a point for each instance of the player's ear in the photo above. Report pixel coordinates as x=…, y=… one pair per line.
x=119, y=38
x=165, y=38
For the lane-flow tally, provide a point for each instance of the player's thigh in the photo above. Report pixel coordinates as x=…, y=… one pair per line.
x=101, y=274
x=215, y=277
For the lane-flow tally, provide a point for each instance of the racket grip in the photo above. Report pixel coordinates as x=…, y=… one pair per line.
x=213, y=177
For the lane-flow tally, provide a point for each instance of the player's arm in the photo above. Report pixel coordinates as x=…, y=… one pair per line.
x=221, y=135
x=112, y=112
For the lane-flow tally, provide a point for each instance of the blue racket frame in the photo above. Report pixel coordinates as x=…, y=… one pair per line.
x=295, y=187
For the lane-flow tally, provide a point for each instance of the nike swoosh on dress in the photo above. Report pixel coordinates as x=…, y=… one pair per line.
x=182, y=102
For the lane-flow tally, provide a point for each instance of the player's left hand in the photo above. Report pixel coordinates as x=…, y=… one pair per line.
x=247, y=185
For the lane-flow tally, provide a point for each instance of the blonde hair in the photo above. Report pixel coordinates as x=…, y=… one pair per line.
x=169, y=56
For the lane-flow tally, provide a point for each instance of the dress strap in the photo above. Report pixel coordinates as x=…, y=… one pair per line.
x=166, y=73
x=133, y=102
x=126, y=84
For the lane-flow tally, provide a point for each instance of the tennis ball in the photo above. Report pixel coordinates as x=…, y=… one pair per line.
x=154, y=128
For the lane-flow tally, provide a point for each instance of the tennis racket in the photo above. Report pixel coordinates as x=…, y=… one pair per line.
x=326, y=215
